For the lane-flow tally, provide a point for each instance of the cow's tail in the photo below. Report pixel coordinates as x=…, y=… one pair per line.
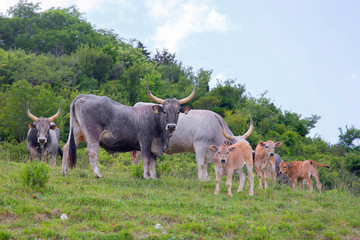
x=60, y=152
x=72, y=150
x=318, y=164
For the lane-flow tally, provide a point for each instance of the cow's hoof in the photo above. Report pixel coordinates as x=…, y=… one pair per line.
x=230, y=194
x=216, y=193
x=64, y=173
x=98, y=175
x=251, y=193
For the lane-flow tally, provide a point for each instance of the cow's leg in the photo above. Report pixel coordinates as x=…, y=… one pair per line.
x=317, y=180
x=309, y=183
x=302, y=185
x=92, y=152
x=266, y=177
x=228, y=182
x=273, y=171
x=258, y=174
x=242, y=177
x=78, y=137
x=217, y=188
x=153, y=174
x=53, y=160
x=250, y=173
x=293, y=184
x=200, y=154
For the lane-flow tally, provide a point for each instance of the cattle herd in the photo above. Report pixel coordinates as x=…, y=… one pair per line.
x=149, y=130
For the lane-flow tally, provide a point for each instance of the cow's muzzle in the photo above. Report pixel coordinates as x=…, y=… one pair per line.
x=223, y=160
x=271, y=154
x=280, y=172
x=42, y=140
x=171, y=127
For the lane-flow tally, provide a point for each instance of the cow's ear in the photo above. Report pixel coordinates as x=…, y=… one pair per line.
x=213, y=148
x=228, y=142
x=262, y=144
x=185, y=109
x=31, y=125
x=53, y=127
x=157, y=109
x=232, y=149
x=278, y=144
x=290, y=165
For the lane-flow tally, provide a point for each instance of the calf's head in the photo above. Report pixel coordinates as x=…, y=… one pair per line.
x=269, y=146
x=222, y=152
x=170, y=109
x=285, y=167
x=42, y=125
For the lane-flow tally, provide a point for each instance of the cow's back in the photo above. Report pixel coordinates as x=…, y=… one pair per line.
x=198, y=127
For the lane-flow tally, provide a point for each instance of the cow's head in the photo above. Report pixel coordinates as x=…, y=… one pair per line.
x=170, y=109
x=285, y=167
x=269, y=146
x=42, y=125
x=221, y=152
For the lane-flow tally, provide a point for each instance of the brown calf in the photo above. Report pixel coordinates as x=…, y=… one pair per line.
x=264, y=161
x=302, y=171
x=232, y=158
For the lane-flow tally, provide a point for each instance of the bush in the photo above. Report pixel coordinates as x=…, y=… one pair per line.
x=35, y=174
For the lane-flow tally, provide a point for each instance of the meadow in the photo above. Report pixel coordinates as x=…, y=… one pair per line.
x=124, y=206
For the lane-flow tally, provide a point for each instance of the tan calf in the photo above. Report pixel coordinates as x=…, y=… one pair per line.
x=302, y=171
x=232, y=158
x=264, y=161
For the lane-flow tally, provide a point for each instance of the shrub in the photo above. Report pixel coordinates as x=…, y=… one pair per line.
x=35, y=174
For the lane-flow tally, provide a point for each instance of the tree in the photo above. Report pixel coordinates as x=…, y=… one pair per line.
x=347, y=137
x=164, y=57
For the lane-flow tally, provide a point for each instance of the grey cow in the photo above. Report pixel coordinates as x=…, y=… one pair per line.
x=195, y=132
x=43, y=137
x=102, y=122
x=280, y=177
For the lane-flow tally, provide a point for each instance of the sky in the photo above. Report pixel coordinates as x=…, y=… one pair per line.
x=304, y=54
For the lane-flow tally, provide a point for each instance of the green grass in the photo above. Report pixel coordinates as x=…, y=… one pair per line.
x=121, y=206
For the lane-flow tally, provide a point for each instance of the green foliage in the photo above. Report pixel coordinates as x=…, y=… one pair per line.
x=35, y=174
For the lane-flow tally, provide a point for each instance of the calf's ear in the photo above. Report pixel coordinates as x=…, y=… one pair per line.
x=262, y=144
x=185, y=109
x=290, y=165
x=228, y=142
x=157, y=109
x=232, y=149
x=278, y=144
x=31, y=125
x=213, y=148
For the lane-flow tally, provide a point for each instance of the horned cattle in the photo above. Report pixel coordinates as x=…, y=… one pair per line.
x=102, y=122
x=195, y=133
x=43, y=137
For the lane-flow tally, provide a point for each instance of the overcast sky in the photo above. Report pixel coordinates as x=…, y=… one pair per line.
x=306, y=53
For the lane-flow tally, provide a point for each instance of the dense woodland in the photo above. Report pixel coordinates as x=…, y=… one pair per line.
x=54, y=55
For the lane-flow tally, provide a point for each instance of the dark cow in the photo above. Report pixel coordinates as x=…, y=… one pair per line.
x=43, y=137
x=281, y=178
x=195, y=133
x=103, y=122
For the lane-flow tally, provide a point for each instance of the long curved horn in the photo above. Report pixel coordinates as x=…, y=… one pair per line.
x=249, y=131
x=156, y=99
x=32, y=117
x=227, y=135
x=53, y=118
x=187, y=99
x=223, y=130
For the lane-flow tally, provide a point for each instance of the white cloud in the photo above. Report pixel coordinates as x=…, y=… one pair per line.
x=175, y=20
x=354, y=76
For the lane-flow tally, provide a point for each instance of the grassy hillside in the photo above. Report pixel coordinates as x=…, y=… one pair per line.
x=122, y=206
